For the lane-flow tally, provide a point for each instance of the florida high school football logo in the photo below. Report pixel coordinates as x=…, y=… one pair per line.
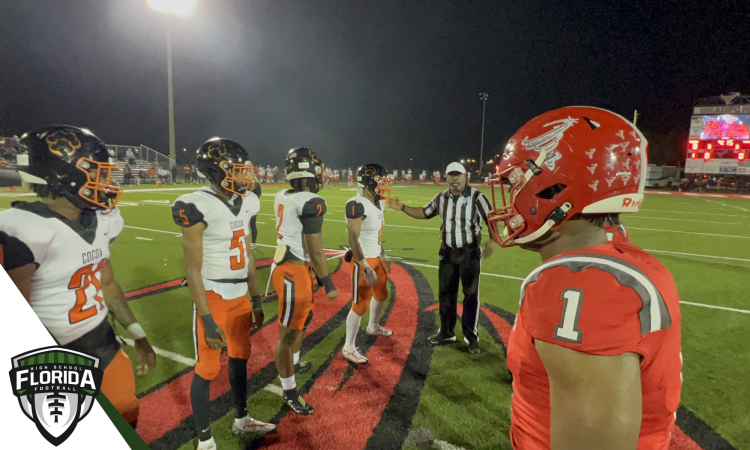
x=56, y=388
x=61, y=142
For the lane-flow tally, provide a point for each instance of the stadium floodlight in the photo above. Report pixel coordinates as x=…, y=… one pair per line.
x=174, y=7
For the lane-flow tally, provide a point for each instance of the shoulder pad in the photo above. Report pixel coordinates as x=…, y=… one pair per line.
x=186, y=214
x=314, y=207
x=354, y=209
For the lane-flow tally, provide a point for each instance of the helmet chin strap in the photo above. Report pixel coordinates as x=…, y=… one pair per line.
x=555, y=218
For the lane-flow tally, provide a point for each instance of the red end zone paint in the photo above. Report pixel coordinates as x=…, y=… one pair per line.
x=350, y=414
x=163, y=410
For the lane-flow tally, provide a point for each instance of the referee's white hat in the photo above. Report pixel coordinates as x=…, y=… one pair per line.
x=455, y=167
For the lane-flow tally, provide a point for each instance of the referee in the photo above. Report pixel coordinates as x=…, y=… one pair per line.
x=463, y=209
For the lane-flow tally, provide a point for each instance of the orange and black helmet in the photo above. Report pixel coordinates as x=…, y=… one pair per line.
x=69, y=162
x=226, y=164
x=374, y=177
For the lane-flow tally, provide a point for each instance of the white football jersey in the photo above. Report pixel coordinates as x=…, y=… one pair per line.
x=372, y=225
x=66, y=291
x=289, y=208
x=227, y=225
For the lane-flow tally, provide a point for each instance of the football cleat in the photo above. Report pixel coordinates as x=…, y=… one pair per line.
x=353, y=355
x=473, y=346
x=249, y=425
x=379, y=331
x=302, y=366
x=440, y=338
x=296, y=403
x=207, y=445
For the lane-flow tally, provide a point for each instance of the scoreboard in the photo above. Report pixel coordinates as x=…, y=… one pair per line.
x=719, y=144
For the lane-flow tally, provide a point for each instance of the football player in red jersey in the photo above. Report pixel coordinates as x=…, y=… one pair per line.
x=595, y=350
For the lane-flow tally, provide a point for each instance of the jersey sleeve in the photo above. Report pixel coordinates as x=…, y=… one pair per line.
x=36, y=237
x=14, y=253
x=354, y=210
x=186, y=214
x=431, y=209
x=311, y=215
x=589, y=311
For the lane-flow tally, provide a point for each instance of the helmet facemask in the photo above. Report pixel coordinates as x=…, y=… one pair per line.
x=98, y=189
x=518, y=176
x=238, y=177
x=383, y=189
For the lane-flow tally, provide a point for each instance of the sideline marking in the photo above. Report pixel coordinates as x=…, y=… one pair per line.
x=165, y=353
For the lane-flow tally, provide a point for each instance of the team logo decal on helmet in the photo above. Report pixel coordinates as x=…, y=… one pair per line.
x=579, y=160
x=61, y=142
x=217, y=149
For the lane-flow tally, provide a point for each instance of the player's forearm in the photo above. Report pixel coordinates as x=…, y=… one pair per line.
x=252, y=280
x=117, y=303
x=319, y=262
x=415, y=212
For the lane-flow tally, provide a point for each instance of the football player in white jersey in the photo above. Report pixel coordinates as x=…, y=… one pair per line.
x=68, y=279
x=370, y=268
x=215, y=225
x=299, y=221
x=350, y=176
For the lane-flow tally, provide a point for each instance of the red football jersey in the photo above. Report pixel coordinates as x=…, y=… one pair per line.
x=605, y=300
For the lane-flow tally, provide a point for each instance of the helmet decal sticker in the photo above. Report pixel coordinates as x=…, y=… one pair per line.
x=549, y=140
x=61, y=142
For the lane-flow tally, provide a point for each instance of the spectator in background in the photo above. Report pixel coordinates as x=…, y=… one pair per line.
x=142, y=176
x=128, y=177
x=163, y=175
x=130, y=156
x=187, y=173
x=275, y=174
x=174, y=174
x=194, y=171
x=269, y=174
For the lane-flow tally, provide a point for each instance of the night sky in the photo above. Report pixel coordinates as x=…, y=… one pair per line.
x=378, y=81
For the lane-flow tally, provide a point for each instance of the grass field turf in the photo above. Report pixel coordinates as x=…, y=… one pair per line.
x=465, y=399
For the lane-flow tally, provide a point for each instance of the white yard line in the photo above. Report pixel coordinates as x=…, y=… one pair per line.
x=723, y=308
x=143, y=238
x=690, y=232
x=727, y=205
x=696, y=255
x=689, y=212
x=705, y=221
x=151, y=229
x=166, y=353
x=274, y=389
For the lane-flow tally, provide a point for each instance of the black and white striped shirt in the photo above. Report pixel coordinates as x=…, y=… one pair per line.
x=462, y=216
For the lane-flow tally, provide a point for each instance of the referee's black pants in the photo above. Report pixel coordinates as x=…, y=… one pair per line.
x=459, y=265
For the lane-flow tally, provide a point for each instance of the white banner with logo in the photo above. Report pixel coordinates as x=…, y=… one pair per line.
x=23, y=333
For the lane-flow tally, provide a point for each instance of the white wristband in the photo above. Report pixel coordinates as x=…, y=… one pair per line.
x=136, y=331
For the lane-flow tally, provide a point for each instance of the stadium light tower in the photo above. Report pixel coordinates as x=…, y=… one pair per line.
x=179, y=8
x=483, y=96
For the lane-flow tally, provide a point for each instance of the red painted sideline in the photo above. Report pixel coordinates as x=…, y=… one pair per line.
x=156, y=287
x=168, y=284
x=700, y=194
x=680, y=441
x=163, y=410
x=350, y=414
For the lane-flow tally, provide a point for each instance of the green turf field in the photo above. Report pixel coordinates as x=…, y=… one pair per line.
x=465, y=399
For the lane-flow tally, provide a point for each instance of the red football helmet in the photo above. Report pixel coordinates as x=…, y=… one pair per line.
x=568, y=161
